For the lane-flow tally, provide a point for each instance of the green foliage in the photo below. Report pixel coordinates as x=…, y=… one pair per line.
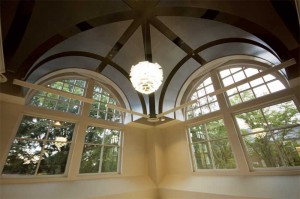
x=270, y=140
x=36, y=151
x=211, y=147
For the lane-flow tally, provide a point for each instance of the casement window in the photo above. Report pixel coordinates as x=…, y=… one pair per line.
x=271, y=135
x=41, y=147
x=101, y=152
x=60, y=103
x=210, y=146
x=269, y=128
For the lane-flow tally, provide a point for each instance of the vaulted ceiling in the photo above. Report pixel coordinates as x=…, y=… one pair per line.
x=108, y=37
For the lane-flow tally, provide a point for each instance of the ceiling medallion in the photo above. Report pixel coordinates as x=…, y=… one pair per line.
x=146, y=77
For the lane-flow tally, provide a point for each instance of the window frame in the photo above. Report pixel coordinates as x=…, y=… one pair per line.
x=258, y=107
x=192, y=154
x=228, y=111
x=120, y=153
x=13, y=137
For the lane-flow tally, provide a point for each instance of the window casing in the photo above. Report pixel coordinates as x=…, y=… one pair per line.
x=210, y=146
x=60, y=103
x=282, y=141
x=271, y=135
x=101, y=152
x=40, y=147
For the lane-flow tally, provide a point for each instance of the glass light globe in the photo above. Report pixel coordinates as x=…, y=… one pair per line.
x=146, y=77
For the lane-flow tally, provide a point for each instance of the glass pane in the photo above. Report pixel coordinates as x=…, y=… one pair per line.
x=289, y=143
x=205, y=109
x=54, y=159
x=90, y=159
x=216, y=130
x=243, y=87
x=235, y=99
x=33, y=127
x=282, y=114
x=275, y=86
x=202, y=156
x=247, y=95
x=112, y=137
x=63, y=132
x=261, y=91
x=23, y=157
x=227, y=81
x=209, y=89
x=256, y=82
x=251, y=122
x=201, y=92
x=262, y=150
x=110, y=159
x=231, y=91
x=222, y=153
x=94, y=135
x=233, y=70
x=197, y=133
x=207, y=81
x=250, y=71
x=224, y=73
x=268, y=77
x=239, y=76
x=214, y=106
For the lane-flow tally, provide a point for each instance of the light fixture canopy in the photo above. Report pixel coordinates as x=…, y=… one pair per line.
x=146, y=77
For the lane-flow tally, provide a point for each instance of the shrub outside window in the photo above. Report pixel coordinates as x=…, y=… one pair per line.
x=272, y=135
x=210, y=146
x=101, y=152
x=40, y=147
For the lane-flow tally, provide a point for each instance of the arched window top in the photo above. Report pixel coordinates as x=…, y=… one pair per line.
x=259, y=87
x=59, y=103
x=97, y=91
x=203, y=90
x=205, y=103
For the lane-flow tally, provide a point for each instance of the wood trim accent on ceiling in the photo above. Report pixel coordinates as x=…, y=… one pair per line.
x=17, y=29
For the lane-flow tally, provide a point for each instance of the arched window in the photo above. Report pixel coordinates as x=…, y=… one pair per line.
x=261, y=111
x=44, y=140
x=60, y=103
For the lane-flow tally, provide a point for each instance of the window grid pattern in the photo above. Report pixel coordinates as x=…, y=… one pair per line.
x=210, y=146
x=272, y=135
x=100, y=110
x=60, y=103
x=41, y=147
x=257, y=88
x=101, y=150
x=205, y=104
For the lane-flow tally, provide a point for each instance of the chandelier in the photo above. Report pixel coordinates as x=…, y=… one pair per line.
x=146, y=77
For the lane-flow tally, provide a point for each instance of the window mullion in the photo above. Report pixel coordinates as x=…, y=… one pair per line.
x=229, y=123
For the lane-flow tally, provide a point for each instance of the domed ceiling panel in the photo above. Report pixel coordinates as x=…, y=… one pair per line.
x=237, y=49
x=98, y=40
x=63, y=63
x=125, y=85
x=132, y=52
x=177, y=82
x=197, y=32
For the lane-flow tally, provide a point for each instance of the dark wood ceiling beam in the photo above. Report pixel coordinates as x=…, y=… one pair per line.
x=17, y=30
x=176, y=39
x=119, y=44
